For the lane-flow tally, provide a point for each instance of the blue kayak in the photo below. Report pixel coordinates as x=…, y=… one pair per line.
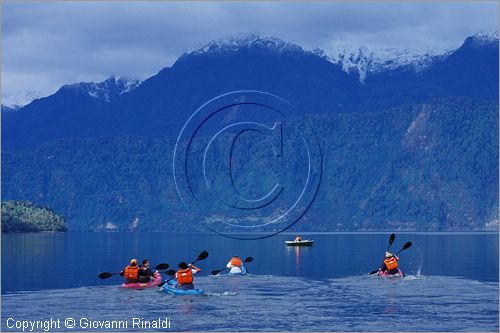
x=235, y=271
x=170, y=288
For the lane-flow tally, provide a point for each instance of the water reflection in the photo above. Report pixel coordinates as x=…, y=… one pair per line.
x=299, y=254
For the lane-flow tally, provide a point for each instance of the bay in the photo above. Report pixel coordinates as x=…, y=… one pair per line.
x=452, y=282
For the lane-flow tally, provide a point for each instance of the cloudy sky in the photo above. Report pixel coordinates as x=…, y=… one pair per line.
x=48, y=44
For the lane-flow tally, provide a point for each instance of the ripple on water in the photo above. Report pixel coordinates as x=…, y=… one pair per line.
x=267, y=303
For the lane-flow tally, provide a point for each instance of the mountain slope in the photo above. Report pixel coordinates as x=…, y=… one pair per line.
x=470, y=71
x=426, y=167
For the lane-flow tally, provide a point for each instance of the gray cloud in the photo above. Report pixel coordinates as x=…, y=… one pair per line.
x=45, y=45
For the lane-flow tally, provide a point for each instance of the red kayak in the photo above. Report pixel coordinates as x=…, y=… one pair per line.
x=142, y=285
x=385, y=274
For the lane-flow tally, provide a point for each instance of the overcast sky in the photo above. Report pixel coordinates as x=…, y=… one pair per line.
x=48, y=44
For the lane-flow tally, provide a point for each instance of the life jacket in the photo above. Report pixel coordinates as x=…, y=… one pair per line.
x=185, y=276
x=131, y=272
x=236, y=261
x=391, y=263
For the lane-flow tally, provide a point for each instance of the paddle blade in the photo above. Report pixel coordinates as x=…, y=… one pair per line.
x=391, y=240
x=407, y=245
x=249, y=259
x=216, y=271
x=105, y=275
x=202, y=255
x=161, y=267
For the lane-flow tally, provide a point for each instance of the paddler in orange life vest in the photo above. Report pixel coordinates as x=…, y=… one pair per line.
x=390, y=265
x=235, y=265
x=131, y=272
x=185, y=276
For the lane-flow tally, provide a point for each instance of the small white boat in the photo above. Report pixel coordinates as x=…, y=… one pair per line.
x=304, y=242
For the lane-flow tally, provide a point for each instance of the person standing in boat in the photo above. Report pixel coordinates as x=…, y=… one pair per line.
x=235, y=265
x=390, y=265
x=185, y=274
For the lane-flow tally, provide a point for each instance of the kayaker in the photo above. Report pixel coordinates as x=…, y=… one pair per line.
x=390, y=264
x=185, y=276
x=298, y=238
x=146, y=273
x=235, y=265
x=131, y=272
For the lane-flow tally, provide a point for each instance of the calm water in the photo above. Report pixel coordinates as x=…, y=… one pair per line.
x=452, y=283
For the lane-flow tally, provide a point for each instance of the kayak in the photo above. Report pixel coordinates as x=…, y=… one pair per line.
x=385, y=274
x=142, y=285
x=300, y=243
x=169, y=288
x=238, y=271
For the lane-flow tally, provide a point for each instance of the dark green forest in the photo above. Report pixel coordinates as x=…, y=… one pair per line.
x=25, y=216
x=423, y=167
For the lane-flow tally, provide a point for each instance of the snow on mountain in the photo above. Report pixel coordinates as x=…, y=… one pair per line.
x=366, y=61
x=362, y=60
x=482, y=38
x=251, y=41
x=6, y=108
x=104, y=91
x=16, y=101
x=107, y=90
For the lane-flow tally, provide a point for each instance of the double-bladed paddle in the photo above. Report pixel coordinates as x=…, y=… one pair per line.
x=406, y=246
x=391, y=240
x=217, y=271
x=171, y=272
x=106, y=275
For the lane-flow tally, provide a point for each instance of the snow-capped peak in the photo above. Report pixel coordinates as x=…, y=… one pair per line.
x=366, y=61
x=107, y=90
x=250, y=41
x=485, y=37
x=361, y=60
x=18, y=100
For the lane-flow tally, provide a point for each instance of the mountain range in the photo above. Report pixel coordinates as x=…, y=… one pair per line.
x=390, y=131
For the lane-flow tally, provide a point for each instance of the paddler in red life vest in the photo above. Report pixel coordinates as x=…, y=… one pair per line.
x=185, y=276
x=390, y=265
x=235, y=265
